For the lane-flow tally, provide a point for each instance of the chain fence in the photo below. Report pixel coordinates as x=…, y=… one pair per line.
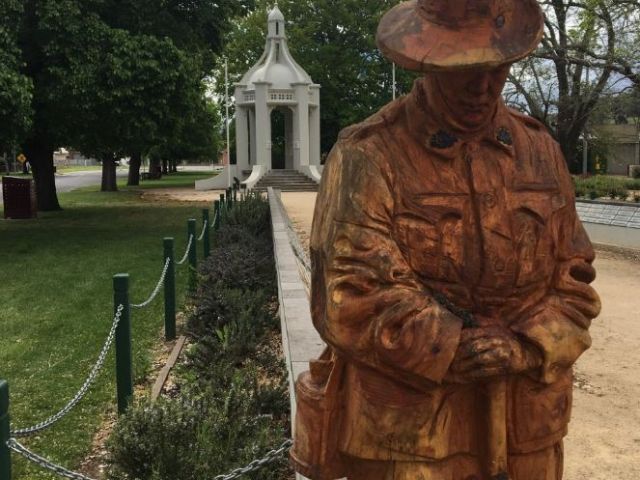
x=186, y=253
x=205, y=227
x=214, y=221
x=14, y=445
x=20, y=449
x=25, y=432
x=254, y=466
x=156, y=291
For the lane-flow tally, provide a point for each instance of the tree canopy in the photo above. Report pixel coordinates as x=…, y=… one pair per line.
x=589, y=51
x=109, y=77
x=335, y=43
x=16, y=89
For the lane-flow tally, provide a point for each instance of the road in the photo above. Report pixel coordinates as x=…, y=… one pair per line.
x=72, y=181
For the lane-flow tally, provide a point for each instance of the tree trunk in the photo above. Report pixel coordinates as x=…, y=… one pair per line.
x=165, y=166
x=155, y=169
x=134, y=170
x=40, y=158
x=174, y=165
x=109, y=183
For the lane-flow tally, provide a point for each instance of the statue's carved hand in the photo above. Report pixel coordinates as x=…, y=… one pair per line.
x=489, y=352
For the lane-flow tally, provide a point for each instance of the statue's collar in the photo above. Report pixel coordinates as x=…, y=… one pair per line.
x=442, y=141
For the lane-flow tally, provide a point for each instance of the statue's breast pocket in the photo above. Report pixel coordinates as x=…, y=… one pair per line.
x=533, y=233
x=430, y=235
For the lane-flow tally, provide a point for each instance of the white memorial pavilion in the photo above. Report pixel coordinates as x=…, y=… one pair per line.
x=276, y=83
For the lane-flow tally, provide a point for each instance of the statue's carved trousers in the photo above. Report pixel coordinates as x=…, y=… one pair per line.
x=545, y=464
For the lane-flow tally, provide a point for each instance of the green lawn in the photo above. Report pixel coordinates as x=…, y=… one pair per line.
x=57, y=307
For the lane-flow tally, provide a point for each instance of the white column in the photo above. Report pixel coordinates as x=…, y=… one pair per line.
x=253, y=156
x=314, y=136
x=302, y=98
x=242, y=140
x=263, y=126
x=288, y=134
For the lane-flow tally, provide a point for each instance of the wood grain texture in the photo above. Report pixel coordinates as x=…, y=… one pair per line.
x=486, y=223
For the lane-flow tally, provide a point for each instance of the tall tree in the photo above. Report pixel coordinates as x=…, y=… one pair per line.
x=15, y=88
x=335, y=43
x=586, y=42
x=53, y=42
x=140, y=90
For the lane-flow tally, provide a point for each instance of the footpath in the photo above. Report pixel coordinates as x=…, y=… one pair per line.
x=604, y=439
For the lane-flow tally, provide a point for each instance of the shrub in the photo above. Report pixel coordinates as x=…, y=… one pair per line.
x=195, y=437
x=233, y=405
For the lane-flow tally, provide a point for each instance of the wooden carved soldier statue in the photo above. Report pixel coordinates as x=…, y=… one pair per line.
x=450, y=270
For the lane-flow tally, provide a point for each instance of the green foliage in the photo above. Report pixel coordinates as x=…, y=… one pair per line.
x=195, y=437
x=335, y=43
x=54, y=324
x=605, y=186
x=16, y=89
x=233, y=405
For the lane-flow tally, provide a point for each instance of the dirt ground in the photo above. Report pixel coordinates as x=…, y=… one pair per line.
x=604, y=439
x=604, y=442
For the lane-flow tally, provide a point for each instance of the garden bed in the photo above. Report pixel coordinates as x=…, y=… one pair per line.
x=229, y=402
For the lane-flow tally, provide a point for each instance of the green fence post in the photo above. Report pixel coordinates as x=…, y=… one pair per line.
x=5, y=432
x=223, y=205
x=230, y=198
x=218, y=214
x=124, y=371
x=170, y=291
x=235, y=195
x=207, y=229
x=193, y=255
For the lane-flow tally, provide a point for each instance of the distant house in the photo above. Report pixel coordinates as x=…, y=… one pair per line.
x=68, y=158
x=623, y=146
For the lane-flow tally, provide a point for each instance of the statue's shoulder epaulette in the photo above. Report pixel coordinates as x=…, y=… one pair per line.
x=527, y=120
x=374, y=125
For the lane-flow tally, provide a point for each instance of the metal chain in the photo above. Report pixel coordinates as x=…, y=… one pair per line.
x=204, y=229
x=85, y=387
x=215, y=220
x=256, y=465
x=155, y=292
x=186, y=254
x=14, y=445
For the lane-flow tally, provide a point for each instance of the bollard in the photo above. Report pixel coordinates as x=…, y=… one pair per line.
x=235, y=195
x=223, y=205
x=229, y=198
x=218, y=213
x=170, y=291
x=193, y=255
x=207, y=237
x=5, y=432
x=124, y=371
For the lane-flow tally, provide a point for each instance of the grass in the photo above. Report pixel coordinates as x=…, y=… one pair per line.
x=57, y=307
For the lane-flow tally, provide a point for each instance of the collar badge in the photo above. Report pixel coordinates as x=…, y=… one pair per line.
x=443, y=140
x=504, y=137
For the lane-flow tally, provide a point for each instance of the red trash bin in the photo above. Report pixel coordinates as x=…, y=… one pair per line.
x=19, y=196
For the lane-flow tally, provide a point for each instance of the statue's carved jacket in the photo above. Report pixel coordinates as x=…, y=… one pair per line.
x=406, y=211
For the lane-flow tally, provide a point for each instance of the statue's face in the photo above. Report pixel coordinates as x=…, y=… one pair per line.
x=471, y=96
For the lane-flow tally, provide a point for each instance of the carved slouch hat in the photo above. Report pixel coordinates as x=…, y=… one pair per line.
x=432, y=35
